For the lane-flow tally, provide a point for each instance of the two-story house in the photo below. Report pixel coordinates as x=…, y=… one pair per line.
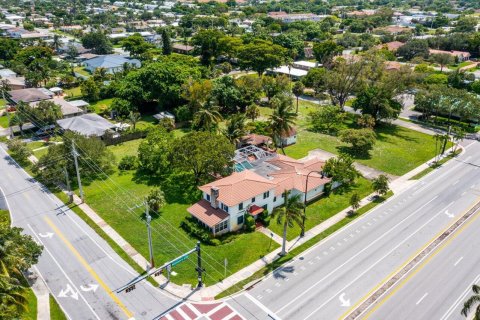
x=226, y=201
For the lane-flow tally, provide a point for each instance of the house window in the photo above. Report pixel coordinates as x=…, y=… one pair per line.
x=264, y=206
x=221, y=226
x=240, y=220
x=274, y=199
x=240, y=206
x=266, y=194
x=225, y=208
x=253, y=199
x=208, y=197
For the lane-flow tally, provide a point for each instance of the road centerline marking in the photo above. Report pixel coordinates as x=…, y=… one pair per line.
x=90, y=270
x=458, y=261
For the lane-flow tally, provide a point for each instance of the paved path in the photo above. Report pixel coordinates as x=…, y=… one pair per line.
x=40, y=290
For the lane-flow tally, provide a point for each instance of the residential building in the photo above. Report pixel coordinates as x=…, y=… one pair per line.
x=182, y=48
x=112, y=63
x=258, y=183
x=459, y=55
x=390, y=46
x=295, y=17
x=90, y=124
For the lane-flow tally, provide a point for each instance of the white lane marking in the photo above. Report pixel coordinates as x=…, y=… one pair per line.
x=458, y=261
x=69, y=289
x=325, y=253
x=460, y=299
x=262, y=306
x=64, y=273
x=311, y=262
x=456, y=182
x=332, y=248
x=450, y=215
x=277, y=284
x=89, y=287
x=268, y=290
x=318, y=257
x=421, y=299
x=358, y=254
x=464, y=193
x=378, y=261
x=302, y=268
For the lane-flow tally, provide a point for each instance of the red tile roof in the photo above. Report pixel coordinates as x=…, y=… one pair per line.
x=203, y=211
x=239, y=187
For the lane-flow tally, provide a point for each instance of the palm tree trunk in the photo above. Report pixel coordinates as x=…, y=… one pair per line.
x=284, y=240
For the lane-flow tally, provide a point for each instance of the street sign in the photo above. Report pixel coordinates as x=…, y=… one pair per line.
x=181, y=259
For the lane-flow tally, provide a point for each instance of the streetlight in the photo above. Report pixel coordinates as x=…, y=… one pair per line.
x=302, y=234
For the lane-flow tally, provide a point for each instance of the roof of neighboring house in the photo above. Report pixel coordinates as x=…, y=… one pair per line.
x=79, y=103
x=5, y=73
x=292, y=174
x=239, y=187
x=391, y=46
x=90, y=124
x=28, y=95
x=394, y=29
x=203, y=211
x=110, y=61
x=183, y=47
x=256, y=139
x=393, y=65
x=452, y=53
x=290, y=133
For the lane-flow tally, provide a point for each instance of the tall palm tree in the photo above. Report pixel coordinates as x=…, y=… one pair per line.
x=207, y=119
x=282, y=119
x=473, y=300
x=289, y=214
x=12, y=295
x=134, y=117
x=235, y=129
x=56, y=43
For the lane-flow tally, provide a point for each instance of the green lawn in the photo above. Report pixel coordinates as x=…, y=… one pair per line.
x=56, y=312
x=397, y=150
x=325, y=207
x=169, y=239
x=4, y=121
x=101, y=106
x=82, y=71
x=74, y=92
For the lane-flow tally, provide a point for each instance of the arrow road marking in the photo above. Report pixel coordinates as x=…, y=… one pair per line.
x=46, y=235
x=73, y=293
x=343, y=301
x=449, y=214
x=89, y=287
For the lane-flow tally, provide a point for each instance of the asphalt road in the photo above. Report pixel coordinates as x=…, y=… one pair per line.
x=437, y=288
x=78, y=266
x=329, y=280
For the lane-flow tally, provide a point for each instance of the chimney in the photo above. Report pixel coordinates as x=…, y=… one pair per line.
x=213, y=197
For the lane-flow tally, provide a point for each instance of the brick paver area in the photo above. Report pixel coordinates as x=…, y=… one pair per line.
x=203, y=311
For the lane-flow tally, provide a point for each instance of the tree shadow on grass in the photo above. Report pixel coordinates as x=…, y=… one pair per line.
x=385, y=131
x=355, y=155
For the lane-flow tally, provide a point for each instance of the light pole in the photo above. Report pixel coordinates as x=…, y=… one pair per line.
x=302, y=233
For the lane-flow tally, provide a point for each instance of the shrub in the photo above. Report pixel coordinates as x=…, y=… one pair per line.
x=18, y=149
x=128, y=163
x=156, y=199
x=249, y=224
x=264, y=217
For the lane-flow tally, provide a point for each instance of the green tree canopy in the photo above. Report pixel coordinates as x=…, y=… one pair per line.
x=260, y=55
x=98, y=42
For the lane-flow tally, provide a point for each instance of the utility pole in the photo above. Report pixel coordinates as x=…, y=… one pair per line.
x=200, y=270
x=150, y=247
x=75, y=156
x=69, y=189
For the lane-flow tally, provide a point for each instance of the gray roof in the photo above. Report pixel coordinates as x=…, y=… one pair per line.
x=28, y=95
x=90, y=124
x=79, y=103
x=110, y=61
x=6, y=73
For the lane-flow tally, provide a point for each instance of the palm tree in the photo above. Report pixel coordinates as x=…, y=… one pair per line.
x=289, y=214
x=207, y=119
x=134, y=117
x=100, y=74
x=56, y=43
x=473, y=300
x=12, y=295
x=235, y=129
x=282, y=119
x=298, y=89
x=252, y=111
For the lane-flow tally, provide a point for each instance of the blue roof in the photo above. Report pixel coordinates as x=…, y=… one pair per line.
x=111, y=61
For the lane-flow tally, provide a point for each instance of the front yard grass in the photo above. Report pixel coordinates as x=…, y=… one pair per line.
x=101, y=106
x=4, y=121
x=124, y=190
x=397, y=150
x=56, y=312
x=325, y=207
x=82, y=71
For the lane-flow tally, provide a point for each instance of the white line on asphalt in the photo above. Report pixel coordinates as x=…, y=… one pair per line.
x=311, y=262
x=302, y=268
x=277, y=284
x=421, y=299
x=464, y=193
x=458, y=261
x=378, y=261
x=357, y=254
x=325, y=252
x=64, y=273
x=318, y=257
x=262, y=306
x=456, y=182
x=460, y=299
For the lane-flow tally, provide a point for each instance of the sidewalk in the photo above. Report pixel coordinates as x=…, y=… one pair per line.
x=41, y=292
